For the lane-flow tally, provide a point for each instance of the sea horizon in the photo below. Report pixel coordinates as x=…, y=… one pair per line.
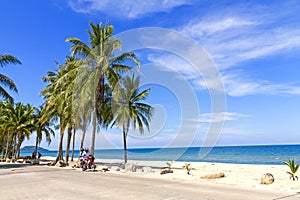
x=244, y=154
x=234, y=145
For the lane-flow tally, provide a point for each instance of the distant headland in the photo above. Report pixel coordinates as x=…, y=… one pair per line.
x=32, y=148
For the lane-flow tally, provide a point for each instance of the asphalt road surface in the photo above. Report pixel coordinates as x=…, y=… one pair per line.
x=45, y=183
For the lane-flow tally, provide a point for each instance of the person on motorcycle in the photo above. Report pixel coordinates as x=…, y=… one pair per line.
x=88, y=160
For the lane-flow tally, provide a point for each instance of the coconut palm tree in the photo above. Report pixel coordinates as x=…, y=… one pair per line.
x=293, y=169
x=4, y=80
x=7, y=137
x=56, y=95
x=128, y=107
x=98, y=57
x=20, y=121
x=42, y=126
x=60, y=101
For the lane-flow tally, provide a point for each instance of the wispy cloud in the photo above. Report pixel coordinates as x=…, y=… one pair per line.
x=235, y=83
x=232, y=40
x=204, y=28
x=219, y=117
x=236, y=34
x=125, y=8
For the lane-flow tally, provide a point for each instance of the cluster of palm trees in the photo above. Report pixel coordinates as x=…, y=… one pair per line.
x=93, y=86
x=19, y=121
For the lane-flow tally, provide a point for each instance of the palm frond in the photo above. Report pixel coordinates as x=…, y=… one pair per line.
x=6, y=59
x=8, y=83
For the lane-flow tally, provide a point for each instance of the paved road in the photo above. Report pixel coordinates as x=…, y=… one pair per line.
x=45, y=183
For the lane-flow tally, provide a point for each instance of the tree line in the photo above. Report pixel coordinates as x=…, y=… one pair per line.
x=92, y=87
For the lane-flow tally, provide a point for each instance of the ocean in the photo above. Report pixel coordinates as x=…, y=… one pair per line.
x=262, y=154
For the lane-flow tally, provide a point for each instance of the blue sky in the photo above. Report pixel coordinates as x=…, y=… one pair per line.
x=255, y=46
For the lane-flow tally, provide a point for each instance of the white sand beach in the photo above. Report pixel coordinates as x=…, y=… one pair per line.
x=237, y=175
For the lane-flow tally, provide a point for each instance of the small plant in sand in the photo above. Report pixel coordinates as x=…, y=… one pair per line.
x=169, y=170
x=293, y=167
x=187, y=166
x=170, y=164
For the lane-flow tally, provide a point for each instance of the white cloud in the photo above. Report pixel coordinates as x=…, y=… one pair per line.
x=234, y=81
x=237, y=86
x=232, y=40
x=125, y=8
x=219, y=117
x=206, y=28
x=238, y=35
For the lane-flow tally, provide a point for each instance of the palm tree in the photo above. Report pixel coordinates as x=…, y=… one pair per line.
x=128, y=107
x=293, y=167
x=56, y=95
x=4, y=80
x=98, y=57
x=42, y=126
x=60, y=101
x=21, y=122
x=3, y=133
x=7, y=137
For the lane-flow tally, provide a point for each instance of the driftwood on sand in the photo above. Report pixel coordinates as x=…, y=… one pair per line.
x=213, y=176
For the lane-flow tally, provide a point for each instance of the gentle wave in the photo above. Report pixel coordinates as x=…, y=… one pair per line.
x=264, y=154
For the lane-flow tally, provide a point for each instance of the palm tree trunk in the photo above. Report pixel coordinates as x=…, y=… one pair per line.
x=2, y=153
x=83, y=135
x=14, y=147
x=19, y=145
x=68, y=143
x=60, y=146
x=96, y=97
x=73, y=144
x=7, y=145
x=94, y=129
x=36, y=143
x=100, y=88
x=125, y=144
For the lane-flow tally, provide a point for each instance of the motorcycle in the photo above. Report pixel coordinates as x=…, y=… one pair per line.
x=88, y=163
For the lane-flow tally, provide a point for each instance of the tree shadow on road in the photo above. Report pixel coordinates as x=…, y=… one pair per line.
x=287, y=197
x=13, y=165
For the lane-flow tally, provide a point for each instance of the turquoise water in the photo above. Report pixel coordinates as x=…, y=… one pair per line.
x=267, y=154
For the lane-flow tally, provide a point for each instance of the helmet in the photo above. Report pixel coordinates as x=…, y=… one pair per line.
x=86, y=149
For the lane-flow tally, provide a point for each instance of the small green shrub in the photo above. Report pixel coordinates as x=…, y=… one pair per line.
x=293, y=168
x=187, y=166
x=170, y=164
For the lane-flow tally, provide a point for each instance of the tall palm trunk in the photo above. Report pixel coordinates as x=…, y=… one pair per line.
x=96, y=98
x=82, y=139
x=73, y=143
x=36, y=143
x=15, y=147
x=60, y=146
x=7, y=145
x=68, y=143
x=19, y=144
x=125, y=144
x=94, y=129
x=2, y=153
x=83, y=135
